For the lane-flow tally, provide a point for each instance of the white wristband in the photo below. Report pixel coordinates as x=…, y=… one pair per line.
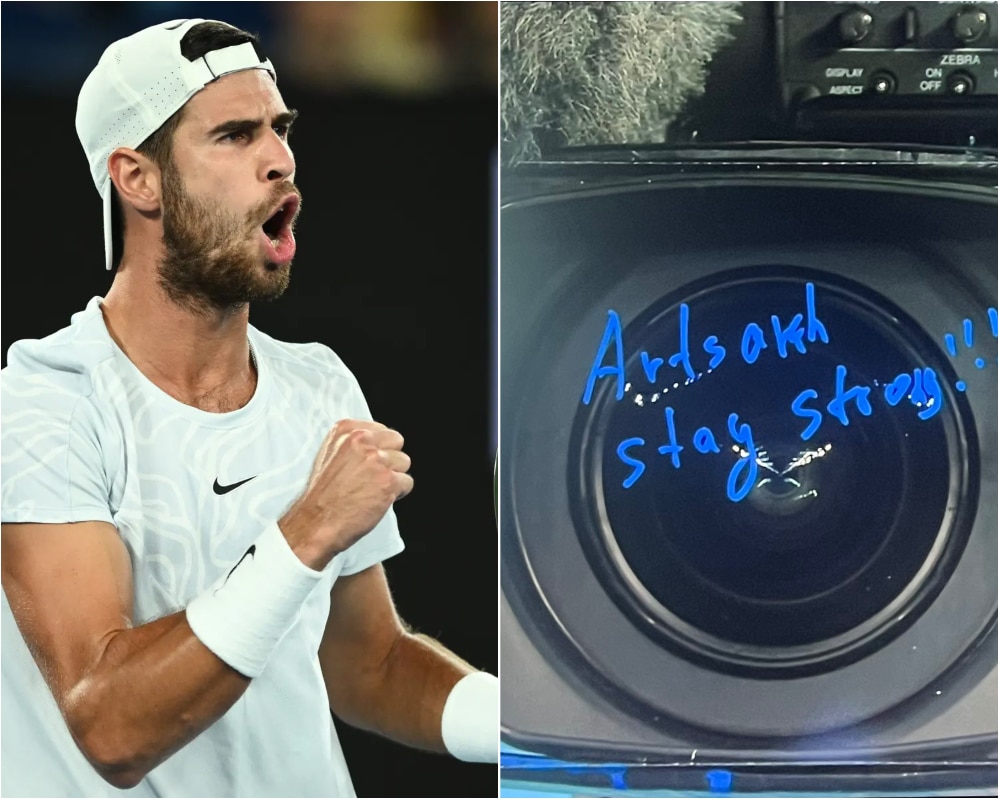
x=470, y=723
x=243, y=615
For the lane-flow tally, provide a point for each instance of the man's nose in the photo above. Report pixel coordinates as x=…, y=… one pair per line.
x=278, y=163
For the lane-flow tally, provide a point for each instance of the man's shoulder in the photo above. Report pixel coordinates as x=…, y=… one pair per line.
x=312, y=358
x=60, y=366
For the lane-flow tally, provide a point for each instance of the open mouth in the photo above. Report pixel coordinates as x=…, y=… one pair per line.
x=281, y=219
x=277, y=230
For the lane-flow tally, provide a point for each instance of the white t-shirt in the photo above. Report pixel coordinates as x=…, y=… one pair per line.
x=85, y=436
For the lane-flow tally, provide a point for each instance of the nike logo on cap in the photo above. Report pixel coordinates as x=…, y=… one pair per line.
x=218, y=488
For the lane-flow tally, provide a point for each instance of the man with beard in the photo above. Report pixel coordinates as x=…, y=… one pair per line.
x=195, y=514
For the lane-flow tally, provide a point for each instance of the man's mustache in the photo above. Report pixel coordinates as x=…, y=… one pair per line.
x=266, y=210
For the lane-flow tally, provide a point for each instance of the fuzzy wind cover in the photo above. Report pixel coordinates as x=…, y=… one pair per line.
x=602, y=73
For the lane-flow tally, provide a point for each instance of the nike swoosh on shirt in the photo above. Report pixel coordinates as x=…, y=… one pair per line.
x=218, y=488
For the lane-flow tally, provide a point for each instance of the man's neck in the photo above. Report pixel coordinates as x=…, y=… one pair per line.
x=200, y=358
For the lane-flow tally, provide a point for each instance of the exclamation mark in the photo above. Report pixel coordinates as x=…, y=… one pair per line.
x=967, y=338
x=967, y=335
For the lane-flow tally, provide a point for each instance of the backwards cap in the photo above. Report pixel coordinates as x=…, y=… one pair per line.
x=138, y=84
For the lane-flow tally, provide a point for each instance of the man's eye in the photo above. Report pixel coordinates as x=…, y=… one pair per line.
x=282, y=131
x=235, y=136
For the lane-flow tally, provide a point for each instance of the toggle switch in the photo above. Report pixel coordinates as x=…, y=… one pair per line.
x=910, y=26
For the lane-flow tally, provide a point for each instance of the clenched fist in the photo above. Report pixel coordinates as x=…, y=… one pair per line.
x=359, y=472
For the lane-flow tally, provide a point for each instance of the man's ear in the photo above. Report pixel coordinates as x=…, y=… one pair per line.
x=137, y=179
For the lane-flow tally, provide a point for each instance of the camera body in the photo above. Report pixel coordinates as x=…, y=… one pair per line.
x=748, y=494
x=904, y=72
x=908, y=73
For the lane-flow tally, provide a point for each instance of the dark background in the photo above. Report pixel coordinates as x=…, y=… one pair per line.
x=394, y=271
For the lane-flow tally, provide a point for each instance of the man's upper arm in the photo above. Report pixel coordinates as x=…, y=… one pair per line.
x=61, y=452
x=361, y=631
x=69, y=587
x=65, y=570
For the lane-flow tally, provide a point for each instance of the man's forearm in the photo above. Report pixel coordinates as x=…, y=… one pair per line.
x=153, y=690
x=403, y=699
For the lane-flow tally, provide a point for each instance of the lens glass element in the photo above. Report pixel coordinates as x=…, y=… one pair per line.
x=767, y=463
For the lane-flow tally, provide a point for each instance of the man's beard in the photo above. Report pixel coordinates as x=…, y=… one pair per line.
x=212, y=259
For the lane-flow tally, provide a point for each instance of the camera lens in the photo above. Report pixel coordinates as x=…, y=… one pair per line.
x=769, y=489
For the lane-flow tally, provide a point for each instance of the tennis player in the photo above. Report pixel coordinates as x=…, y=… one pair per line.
x=195, y=514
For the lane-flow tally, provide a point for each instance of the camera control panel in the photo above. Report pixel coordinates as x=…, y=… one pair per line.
x=927, y=52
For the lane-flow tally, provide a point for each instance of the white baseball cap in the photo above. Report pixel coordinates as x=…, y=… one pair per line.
x=137, y=85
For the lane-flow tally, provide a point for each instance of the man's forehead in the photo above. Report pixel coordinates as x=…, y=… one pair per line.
x=250, y=94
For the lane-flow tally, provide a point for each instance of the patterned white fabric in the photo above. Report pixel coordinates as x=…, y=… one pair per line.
x=85, y=436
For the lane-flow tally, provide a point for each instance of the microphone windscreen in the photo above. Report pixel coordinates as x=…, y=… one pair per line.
x=602, y=73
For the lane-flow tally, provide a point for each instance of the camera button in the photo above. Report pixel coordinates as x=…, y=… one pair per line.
x=883, y=83
x=960, y=83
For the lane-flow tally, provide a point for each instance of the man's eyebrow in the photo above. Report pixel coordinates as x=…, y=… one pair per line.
x=285, y=118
